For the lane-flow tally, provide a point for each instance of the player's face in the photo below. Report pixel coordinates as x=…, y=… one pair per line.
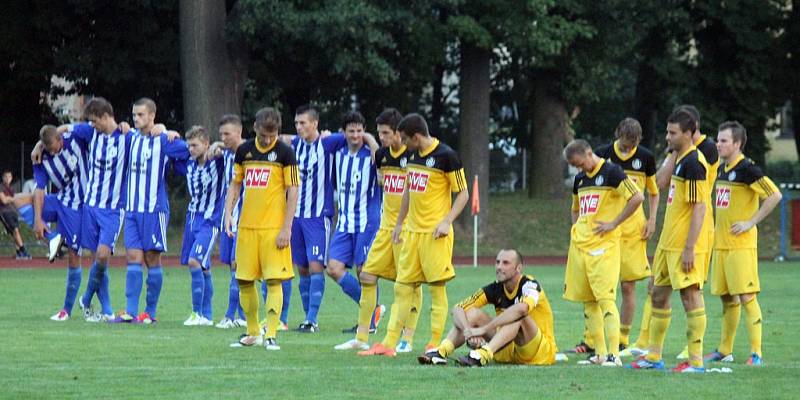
x=583, y=162
x=505, y=266
x=677, y=139
x=305, y=126
x=264, y=137
x=412, y=142
x=626, y=145
x=230, y=134
x=197, y=147
x=55, y=145
x=354, y=133
x=725, y=145
x=7, y=178
x=143, y=118
x=388, y=136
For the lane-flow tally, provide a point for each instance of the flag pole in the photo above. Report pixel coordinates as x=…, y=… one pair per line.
x=476, y=209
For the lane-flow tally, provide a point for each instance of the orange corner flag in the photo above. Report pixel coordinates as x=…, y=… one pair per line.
x=476, y=198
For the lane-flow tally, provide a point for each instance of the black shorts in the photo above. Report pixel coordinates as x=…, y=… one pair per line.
x=10, y=220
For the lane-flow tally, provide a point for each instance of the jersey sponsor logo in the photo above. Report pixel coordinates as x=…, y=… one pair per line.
x=723, y=197
x=589, y=203
x=393, y=184
x=671, y=193
x=403, y=162
x=636, y=164
x=272, y=156
x=257, y=177
x=417, y=181
x=599, y=180
x=732, y=176
x=430, y=162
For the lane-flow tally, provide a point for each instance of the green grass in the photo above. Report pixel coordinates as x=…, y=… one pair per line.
x=44, y=359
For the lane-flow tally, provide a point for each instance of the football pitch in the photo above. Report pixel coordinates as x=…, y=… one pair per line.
x=75, y=359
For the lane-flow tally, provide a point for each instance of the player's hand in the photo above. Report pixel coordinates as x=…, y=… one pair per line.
x=603, y=227
x=283, y=238
x=124, y=127
x=741, y=227
x=396, y=234
x=172, y=135
x=442, y=230
x=476, y=342
x=324, y=133
x=39, y=228
x=687, y=259
x=228, y=227
x=649, y=229
x=214, y=151
x=37, y=152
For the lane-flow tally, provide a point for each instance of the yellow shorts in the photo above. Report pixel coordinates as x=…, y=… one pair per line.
x=383, y=255
x=634, y=266
x=592, y=275
x=540, y=350
x=735, y=272
x=668, y=270
x=258, y=256
x=425, y=259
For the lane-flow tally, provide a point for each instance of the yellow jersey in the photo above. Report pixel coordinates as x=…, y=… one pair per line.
x=432, y=175
x=687, y=187
x=392, y=172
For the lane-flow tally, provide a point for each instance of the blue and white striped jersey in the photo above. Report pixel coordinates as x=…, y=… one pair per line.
x=108, y=155
x=229, y=157
x=206, y=189
x=67, y=171
x=315, y=167
x=359, y=192
x=147, y=165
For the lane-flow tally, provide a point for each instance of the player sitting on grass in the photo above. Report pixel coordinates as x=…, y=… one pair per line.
x=521, y=331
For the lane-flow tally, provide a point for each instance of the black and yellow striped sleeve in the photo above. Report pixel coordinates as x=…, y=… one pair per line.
x=477, y=300
x=458, y=182
x=764, y=187
x=290, y=175
x=627, y=188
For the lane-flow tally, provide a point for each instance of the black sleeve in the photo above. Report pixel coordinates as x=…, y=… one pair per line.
x=649, y=161
x=604, y=151
x=379, y=156
x=710, y=152
x=615, y=175
x=287, y=156
x=453, y=162
x=492, y=292
x=694, y=170
x=752, y=173
x=241, y=151
x=575, y=184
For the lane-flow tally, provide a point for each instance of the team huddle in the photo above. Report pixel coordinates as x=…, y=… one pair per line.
x=271, y=201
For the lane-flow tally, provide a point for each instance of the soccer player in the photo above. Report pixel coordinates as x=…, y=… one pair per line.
x=312, y=226
x=230, y=133
x=382, y=259
x=521, y=331
x=603, y=197
x=10, y=217
x=204, y=178
x=64, y=165
x=740, y=185
x=147, y=209
x=434, y=172
x=680, y=249
x=268, y=170
x=21, y=205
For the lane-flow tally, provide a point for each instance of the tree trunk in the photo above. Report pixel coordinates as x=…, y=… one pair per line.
x=549, y=134
x=212, y=72
x=649, y=90
x=437, y=100
x=474, y=87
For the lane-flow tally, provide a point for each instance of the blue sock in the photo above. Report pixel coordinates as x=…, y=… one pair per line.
x=197, y=289
x=92, y=285
x=264, y=292
x=304, y=285
x=155, y=277
x=316, y=291
x=133, y=288
x=208, y=294
x=287, y=297
x=233, y=297
x=26, y=214
x=103, y=293
x=73, y=284
x=350, y=286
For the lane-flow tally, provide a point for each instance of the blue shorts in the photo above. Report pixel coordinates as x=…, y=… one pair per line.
x=351, y=249
x=199, y=235
x=310, y=238
x=68, y=220
x=146, y=231
x=100, y=226
x=227, y=248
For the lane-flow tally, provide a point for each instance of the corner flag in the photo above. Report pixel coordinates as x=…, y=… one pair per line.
x=476, y=198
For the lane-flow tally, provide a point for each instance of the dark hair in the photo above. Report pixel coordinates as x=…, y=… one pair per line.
x=313, y=114
x=269, y=119
x=198, y=132
x=390, y=117
x=575, y=147
x=96, y=107
x=516, y=253
x=692, y=110
x=738, y=132
x=629, y=128
x=47, y=134
x=232, y=119
x=147, y=102
x=684, y=120
x=353, y=117
x=412, y=124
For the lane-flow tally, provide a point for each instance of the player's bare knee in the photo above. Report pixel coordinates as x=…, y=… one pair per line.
x=746, y=297
x=728, y=299
x=152, y=258
x=316, y=267
x=628, y=288
x=366, y=277
x=660, y=296
x=194, y=263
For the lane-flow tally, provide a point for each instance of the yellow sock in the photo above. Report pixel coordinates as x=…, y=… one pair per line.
x=611, y=324
x=403, y=293
x=695, y=330
x=659, y=323
x=587, y=338
x=366, y=306
x=643, y=341
x=752, y=312
x=594, y=326
x=274, y=305
x=439, y=308
x=731, y=312
x=413, y=315
x=624, y=334
x=486, y=354
x=446, y=348
x=248, y=297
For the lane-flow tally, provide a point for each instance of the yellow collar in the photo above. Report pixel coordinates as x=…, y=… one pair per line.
x=430, y=149
x=689, y=150
x=596, y=168
x=264, y=150
x=402, y=149
x=700, y=140
x=619, y=152
x=731, y=165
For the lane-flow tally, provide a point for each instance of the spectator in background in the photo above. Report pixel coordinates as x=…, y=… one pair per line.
x=9, y=215
x=29, y=186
